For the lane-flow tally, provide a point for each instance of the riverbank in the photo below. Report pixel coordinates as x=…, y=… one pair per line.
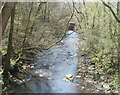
x=91, y=77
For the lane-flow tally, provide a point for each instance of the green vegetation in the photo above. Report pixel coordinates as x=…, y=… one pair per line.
x=101, y=39
x=29, y=28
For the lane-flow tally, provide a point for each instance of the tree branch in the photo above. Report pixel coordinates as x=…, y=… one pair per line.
x=43, y=48
x=116, y=17
x=79, y=12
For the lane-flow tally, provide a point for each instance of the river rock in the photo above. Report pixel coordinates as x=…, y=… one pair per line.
x=69, y=77
x=106, y=86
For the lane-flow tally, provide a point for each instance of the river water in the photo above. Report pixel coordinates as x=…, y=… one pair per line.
x=51, y=69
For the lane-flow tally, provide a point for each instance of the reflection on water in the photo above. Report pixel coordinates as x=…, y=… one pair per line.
x=52, y=67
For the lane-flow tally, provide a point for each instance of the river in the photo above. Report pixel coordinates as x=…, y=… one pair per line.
x=52, y=67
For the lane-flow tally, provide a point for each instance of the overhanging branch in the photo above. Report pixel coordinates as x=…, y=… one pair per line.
x=116, y=17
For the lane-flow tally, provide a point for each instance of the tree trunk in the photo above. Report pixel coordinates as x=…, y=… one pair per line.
x=33, y=23
x=9, y=48
x=5, y=15
x=118, y=12
x=27, y=26
x=93, y=24
x=45, y=11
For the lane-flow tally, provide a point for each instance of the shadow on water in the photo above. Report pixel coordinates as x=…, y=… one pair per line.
x=51, y=68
